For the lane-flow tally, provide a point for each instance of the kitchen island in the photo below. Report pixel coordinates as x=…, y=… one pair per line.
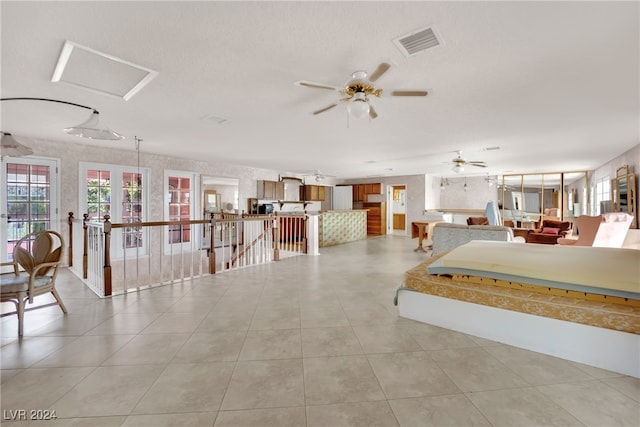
x=337, y=227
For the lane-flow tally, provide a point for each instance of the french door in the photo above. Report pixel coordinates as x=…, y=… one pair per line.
x=28, y=199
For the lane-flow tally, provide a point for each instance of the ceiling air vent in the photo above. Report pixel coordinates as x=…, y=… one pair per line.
x=417, y=41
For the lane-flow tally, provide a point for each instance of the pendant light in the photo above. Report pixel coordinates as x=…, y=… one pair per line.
x=90, y=129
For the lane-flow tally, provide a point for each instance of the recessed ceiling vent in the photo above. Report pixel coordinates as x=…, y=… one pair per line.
x=99, y=72
x=417, y=41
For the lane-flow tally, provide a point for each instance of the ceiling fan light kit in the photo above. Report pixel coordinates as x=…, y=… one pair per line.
x=358, y=90
x=459, y=163
x=90, y=129
x=359, y=107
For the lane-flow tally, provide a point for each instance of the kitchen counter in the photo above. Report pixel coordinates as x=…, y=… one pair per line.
x=342, y=226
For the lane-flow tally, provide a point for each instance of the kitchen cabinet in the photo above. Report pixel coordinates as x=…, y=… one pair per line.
x=270, y=190
x=375, y=188
x=312, y=193
x=376, y=218
x=361, y=191
x=359, y=194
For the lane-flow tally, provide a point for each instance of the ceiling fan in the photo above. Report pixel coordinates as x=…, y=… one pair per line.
x=358, y=90
x=459, y=163
x=318, y=176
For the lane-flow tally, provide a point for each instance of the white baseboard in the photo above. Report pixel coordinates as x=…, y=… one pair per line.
x=603, y=348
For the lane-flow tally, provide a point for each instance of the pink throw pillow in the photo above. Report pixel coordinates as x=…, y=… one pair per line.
x=550, y=230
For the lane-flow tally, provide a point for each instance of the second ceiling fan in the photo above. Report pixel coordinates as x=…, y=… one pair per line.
x=459, y=163
x=358, y=91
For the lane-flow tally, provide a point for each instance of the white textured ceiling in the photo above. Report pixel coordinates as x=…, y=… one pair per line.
x=554, y=84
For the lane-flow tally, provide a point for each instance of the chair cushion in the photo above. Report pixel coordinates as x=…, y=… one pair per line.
x=10, y=283
x=550, y=230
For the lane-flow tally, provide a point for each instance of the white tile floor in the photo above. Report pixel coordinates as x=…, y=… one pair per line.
x=312, y=341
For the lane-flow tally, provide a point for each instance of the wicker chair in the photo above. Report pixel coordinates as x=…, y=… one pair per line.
x=39, y=254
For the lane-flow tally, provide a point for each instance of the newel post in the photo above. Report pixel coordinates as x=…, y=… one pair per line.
x=305, y=234
x=212, y=249
x=276, y=238
x=85, y=246
x=107, y=256
x=70, y=250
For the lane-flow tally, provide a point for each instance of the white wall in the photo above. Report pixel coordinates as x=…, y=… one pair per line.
x=476, y=197
x=630, y=157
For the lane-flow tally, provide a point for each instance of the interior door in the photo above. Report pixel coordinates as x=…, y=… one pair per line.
x=29, y=199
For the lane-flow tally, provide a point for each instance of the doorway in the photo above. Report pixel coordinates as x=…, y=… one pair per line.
x=399, y=209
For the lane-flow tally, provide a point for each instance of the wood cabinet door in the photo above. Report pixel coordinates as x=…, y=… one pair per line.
x=279, y=190
x=269, y=189
x=314, y=193
x=369, y=188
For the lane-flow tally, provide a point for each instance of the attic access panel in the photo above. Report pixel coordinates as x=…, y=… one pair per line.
x=99, y=72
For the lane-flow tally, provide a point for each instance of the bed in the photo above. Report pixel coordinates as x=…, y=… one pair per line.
x=578, y=303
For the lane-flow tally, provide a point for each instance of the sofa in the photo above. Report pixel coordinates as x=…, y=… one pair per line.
x=447, y=236
x=549, y=232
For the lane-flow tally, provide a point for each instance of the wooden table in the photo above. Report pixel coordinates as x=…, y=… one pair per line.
x=520, y=232
x=418, y=229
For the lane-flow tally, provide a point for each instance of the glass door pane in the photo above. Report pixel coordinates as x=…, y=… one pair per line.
x=28, y=199
x=179, y=208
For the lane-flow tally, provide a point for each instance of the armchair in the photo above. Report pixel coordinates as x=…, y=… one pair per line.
x=40, y=256
x=607, y=230
x=477, y=220
x=549, y=232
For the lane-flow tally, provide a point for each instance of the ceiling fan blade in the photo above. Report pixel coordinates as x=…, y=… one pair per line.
x=479, y=164
x=382, y=68
x=409, y=93
x=324, y=109
x=316, y=85
x=372, y=112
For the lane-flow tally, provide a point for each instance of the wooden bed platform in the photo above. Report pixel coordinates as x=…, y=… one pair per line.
x=592, y=317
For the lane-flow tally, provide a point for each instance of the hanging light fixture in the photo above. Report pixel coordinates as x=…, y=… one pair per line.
x=90, y=129
x=491, y=180
x=444, y=182
x=12, y=148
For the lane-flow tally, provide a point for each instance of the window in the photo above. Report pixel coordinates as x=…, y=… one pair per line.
x=180, y=188
x=117, y=191
x=603, y=195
